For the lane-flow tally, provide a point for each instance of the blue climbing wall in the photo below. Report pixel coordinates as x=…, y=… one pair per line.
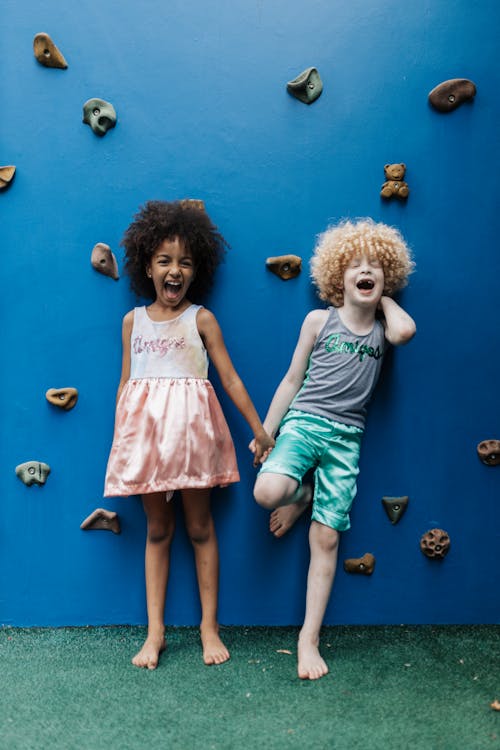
x=203, y=112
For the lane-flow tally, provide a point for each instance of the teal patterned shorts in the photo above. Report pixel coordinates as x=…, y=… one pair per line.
x=306, y=441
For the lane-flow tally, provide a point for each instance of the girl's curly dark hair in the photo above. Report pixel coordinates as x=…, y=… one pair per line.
x=164, y=220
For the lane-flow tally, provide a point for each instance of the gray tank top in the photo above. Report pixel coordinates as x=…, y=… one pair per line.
x=342, y=372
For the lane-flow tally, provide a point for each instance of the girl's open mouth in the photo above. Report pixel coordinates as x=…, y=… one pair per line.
x=365, y=284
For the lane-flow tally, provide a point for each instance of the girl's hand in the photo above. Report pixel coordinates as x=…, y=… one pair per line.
x=261, y=446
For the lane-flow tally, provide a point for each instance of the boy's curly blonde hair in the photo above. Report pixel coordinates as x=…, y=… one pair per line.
x=337, y=246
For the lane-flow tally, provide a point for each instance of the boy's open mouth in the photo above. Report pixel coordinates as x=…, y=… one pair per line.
x=365, y=284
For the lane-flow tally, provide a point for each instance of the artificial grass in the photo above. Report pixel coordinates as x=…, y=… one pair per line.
x=390, y=688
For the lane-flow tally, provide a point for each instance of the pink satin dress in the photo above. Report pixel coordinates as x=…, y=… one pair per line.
x=170, y=432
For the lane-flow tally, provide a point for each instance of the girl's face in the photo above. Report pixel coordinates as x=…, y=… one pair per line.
x=363, y=280
x=172, y=271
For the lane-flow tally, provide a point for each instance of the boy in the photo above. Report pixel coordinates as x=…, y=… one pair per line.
x=320, y=405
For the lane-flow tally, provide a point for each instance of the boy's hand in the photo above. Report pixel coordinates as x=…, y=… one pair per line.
x=261, y=446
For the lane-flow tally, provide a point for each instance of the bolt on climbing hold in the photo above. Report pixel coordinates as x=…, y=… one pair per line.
x=104, y=261
x=450, y=94
x=395, y=507
x=489, y=452
x=33, y=472
x=307, y=87
x=100, y=115
x=47, y=53
x=364, y=565
x=285, y=266
x=64, y=398
x=435, y=544
x=100, y=518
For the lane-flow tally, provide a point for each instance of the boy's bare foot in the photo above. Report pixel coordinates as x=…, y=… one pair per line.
x=283, y=518
x=149, y=654
x=214, y=651
x=311, y=665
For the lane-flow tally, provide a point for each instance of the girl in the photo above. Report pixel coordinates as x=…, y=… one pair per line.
x=170, y=433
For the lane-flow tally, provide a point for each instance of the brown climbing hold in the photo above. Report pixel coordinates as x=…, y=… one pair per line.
x=495, y=705
x=285, y=266
x=104, y=261
x=47, y=53
x=364, y=565
x=395, y=186
x=107, y=520
x=395, y=507
x=6, y=176
x=451, y=94
x=435, y=544
x=64, y=398
x=489, y=452
x=33, y=472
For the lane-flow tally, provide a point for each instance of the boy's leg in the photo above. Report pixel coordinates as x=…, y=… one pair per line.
x=284, y=496
x=323, y=542
x=161, y=524
x=201, y=531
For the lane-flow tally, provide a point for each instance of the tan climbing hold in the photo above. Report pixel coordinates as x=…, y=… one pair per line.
x=107, y=520
x=285, y=266
x=47, y=53
x=489, y=452
x=64, y=398
x=435, y=544
x=495, y=705
x=104, y=261
x=6, y=176
x=364, y=565
x=33, y=472
x=192, y=203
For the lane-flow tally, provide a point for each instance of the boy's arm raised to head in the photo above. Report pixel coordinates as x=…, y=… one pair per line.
x=291, y=383
x=211, y=335
x=128, y=322
x=399, y=326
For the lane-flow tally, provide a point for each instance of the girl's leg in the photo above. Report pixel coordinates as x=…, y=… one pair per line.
x=201, y=531
x=282, y=493
x=323, y=542
x=161, y=524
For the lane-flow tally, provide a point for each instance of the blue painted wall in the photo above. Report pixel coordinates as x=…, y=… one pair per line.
x=203, y=111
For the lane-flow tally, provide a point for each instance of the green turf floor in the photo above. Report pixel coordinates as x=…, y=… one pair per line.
x=390, y=688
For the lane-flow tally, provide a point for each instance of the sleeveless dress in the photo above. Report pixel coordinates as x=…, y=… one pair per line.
x=170, y=432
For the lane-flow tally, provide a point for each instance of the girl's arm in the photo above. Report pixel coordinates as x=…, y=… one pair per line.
x=291, y=383
x=128, y=322
x=211, y=335
x=399, y=326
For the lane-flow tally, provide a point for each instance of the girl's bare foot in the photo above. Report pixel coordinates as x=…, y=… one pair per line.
x=283, y=518
x=311, y=666
x=214, y=651
x=149, y=654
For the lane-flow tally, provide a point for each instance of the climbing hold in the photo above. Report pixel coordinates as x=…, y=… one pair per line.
x=495, y=705
x=395, y=507
x=435, y=544
x=104, y=261
x=107, y=520
x=307, y=86
x=395, y=185
x=47, y=53
x=192, y=203
x=285, y=266
x=100, y=115
x=451, y=94
x=6, y=176
x=489, y=452
x=64, y=398
x=33, y=472
x=364, y=565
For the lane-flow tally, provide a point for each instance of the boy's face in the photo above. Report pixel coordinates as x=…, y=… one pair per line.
x=363, y=281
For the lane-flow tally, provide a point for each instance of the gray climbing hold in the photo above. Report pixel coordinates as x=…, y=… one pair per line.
x=33, y=472
x=307, y=87
x=100, y=115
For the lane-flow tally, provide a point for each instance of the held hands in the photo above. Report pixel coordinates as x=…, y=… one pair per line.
x=261, y=446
